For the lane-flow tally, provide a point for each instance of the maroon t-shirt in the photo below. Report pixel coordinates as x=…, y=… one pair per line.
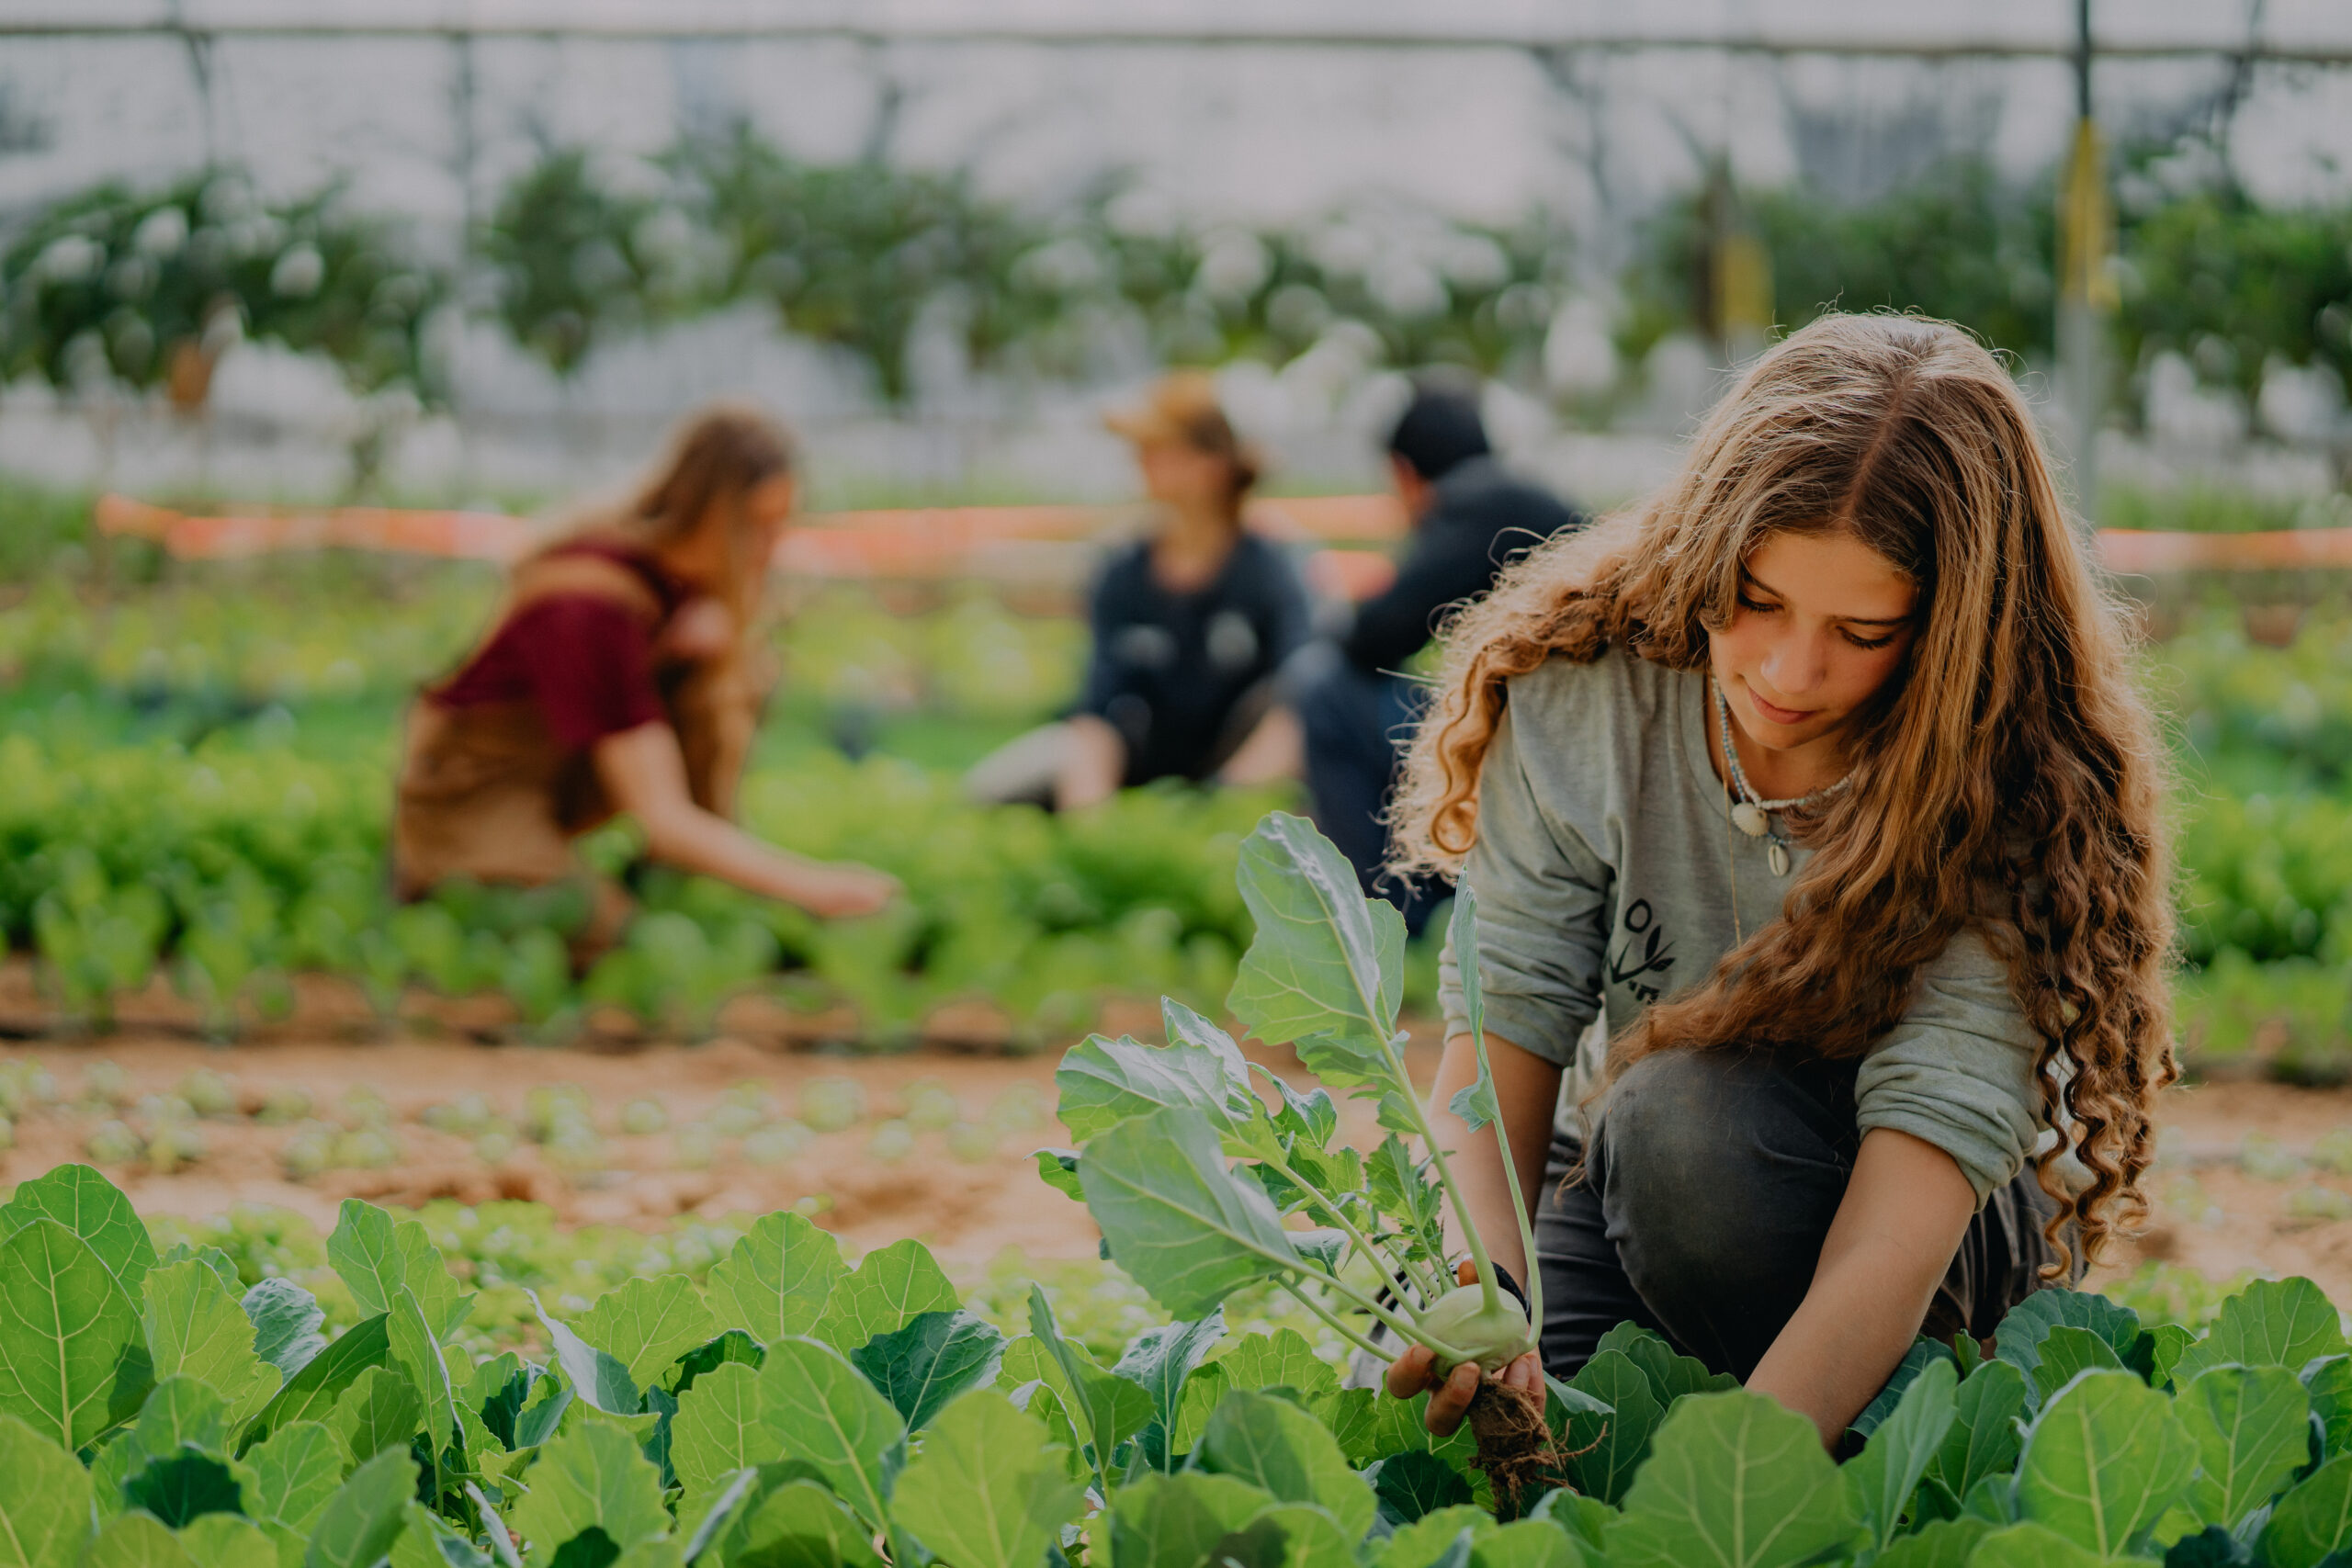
x=585, y=662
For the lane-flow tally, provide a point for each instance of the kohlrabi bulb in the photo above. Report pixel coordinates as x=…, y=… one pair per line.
x=1492, y=1338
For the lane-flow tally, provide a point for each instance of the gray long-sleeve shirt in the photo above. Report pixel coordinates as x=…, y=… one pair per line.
x=1605, y=869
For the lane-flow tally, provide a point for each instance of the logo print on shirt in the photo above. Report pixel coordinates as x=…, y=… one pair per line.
x=1646, y=951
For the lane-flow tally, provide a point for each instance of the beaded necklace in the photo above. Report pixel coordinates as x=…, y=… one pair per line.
x=1753, y=814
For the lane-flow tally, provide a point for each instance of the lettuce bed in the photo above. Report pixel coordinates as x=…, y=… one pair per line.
x=794, y=1410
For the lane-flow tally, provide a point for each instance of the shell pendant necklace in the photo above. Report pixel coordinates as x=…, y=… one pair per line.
x=1753, y=814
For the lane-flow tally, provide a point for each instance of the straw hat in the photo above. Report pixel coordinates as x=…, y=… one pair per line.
x=1181, y=409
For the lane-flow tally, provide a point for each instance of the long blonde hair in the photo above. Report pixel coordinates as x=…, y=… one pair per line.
x=2007, y=778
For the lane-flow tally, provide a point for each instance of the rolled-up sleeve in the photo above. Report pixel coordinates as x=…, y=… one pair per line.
x=1543, y=922
x=1958, y=1071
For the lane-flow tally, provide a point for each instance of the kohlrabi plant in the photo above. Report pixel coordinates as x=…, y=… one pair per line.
x=1159, y=1127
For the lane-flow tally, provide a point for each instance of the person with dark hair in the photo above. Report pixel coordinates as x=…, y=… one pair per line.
x=1350, y=707
x=618, y=676
x=1189, y=624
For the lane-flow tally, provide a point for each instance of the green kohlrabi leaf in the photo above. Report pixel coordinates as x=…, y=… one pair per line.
x=1734, y=1479
x=1326, y=963
x=834, y=1420
x=1883, y=1477
x=1103, y=1082
x=2030, y=1545
x=1431, y=1535
x=183, y=1485
x=1273, y=1444
x=285, y=1321
x=801, y=1525
x=891, y=1287
x=93, y=1208
x=987, y=1490
x=137, y=1541
x=593, y=1476
x=180, y=1410
x=598, y=1379
x=1983, y=1440
x=648, y=1323
x=1185, y=1027
x=1058, y=1168
x=379, y=1412
x=295, y=1472
x=1915, y=1360
x=1176, y=1219
x=195, y=1328
x=73, y=1361
x=2065, y=1351
x=376, y=1255
x=1528, y=1544
x=227, y=1541
x=360, y=1521
x=44, y=1500
x=2018, y=1339
x=2251, y=1425
x=1173, y=1521
x=311, y=1394
x=1104, y=1409
x=2271, y=1323
x=2104, y=1460
x=721, y=1426
x=2313, y=1521
x=1608, y=1446
x=774, y=1282
x=1413, y=1486
x=418, y=1355
x=929, y=1361
x=1311, y=1538
x=1672, y=1375
x=427, y=1541
x=1941, y=1543
x=1161, y=1361
x=731, y=1346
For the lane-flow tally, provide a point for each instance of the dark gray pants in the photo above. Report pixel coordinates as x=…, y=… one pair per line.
x=1713, y=1179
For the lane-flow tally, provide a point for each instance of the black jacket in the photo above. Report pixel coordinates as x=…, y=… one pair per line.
x=1482, y=519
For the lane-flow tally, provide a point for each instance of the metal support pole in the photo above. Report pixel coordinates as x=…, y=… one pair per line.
x=2085, y=283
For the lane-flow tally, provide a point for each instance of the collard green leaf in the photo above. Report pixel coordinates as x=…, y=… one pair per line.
x=1734, y=1479
x=2104, y=1460
x=722, y=1425
x=648, y=1323
x=1428, y=1539
x=1311, y=1538
x=1412, y=1485
x=2329, y=1382
x=2030, y=1545
x=929, y=1361
x=2313, y=1521
x=363, y=1516
x=1103, y=1082
x=311, y=1395
x=1941, y=1543
x=1607, y=1448
x=1159, y=1362
x=93, y=1208
x=1585, y=1519
x=801, y=1525
x=426, y=1540
x=1326, y=963
x=731, y=1347
x=1883, y=1477
x=379, y=1412
x=1273, y=1444
x=72, y=1360
x=1104, y=1409
x=227, y=1541
x=44, y=1500
x=2271, y=1323
x=1671, y=1374
x=1983, y=1440
x=834, y=1420
x=137, y=1541
x=183, y=1485
x=417, y=1354
x=1171, y=1521
x=774, y=1282
x=376, y=1255
x=592, y=1477
x=1176, y=1219
x=285, y=1321
x=2252, y=1427
x=2018, y=1339
x=2164, y=1343
x=987, y=1490
x=1311, y=1116
x=1058, y=1168
x=599, y=1380
x=1526, y=1543
x=194, y=1327
x=1281, y=1360
x=180, y=1410
x=1923, y=1350
x=2066, y=1351
x=295, y=1472
x=890, y=1288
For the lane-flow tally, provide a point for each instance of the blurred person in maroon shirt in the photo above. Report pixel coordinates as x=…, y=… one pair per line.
x=619, y=676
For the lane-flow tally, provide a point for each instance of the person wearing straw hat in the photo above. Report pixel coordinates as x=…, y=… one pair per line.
x=1189, y=623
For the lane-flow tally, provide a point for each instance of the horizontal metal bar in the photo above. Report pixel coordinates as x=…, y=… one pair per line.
x=1096, y=37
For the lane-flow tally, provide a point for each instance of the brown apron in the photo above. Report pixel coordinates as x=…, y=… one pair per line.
x=485, y=791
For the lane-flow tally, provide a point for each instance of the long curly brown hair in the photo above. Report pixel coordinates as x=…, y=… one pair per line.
x=2007, y=778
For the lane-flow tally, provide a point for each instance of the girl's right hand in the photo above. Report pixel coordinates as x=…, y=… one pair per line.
x=1415, y=1372
x=837, y=890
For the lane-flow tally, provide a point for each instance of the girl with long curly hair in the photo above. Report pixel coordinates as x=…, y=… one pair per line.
x=1816, y=829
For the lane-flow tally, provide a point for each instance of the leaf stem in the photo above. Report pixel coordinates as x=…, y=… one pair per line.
x=1491, y=1294
x=1387, y=1263
x=1535, y=1280
x=1335, y=1324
